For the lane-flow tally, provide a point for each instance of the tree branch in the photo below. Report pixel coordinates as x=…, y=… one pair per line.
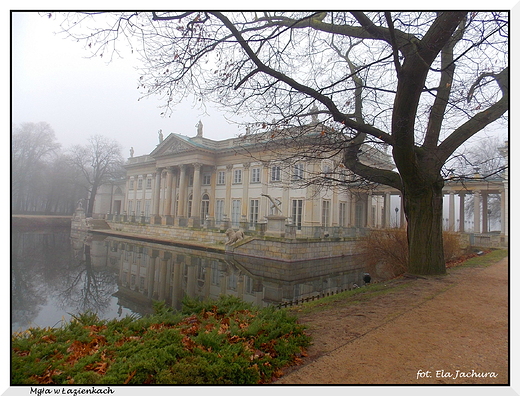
x=478, y=121
x=328, y=102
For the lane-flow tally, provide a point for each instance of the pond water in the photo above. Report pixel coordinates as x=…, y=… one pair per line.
x=56, y=274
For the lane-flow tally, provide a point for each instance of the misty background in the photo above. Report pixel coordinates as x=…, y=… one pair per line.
x=55, y=81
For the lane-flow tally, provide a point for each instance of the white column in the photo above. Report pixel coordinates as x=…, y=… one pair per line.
x=127, y=196
x=168, y=197
x=156, y=196
x=462, y=218
x=181, y=210
x=353, y=200
x=195, y=208
x=369, y=210
x=451, y=212
x=229, y=176
x=348, y=208
x=213, y=192
x=476, y=212
x=504, y=211
x=264, y=202
x=484, y=212
x=387, y=210
x=245, y=188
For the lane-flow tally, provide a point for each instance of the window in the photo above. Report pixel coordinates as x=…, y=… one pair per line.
x=253, y=212
x=297, y=211
x=232, y=281
x=204, y=208
x=190, y=180
x=298, y=171
x=249, y=285
x=325, y=213
x=215, y=273
x=147, y=206
x=131, y=185
x=219, y=210
x=255, y=175
x=149, y=183
x=235, y=212
x=221, y=177
x=326, y=168
x=276, y=173
x=343, y=214
x=130, y=207
x=206, y=179
x=138, y=208
x=140, y=184
x=190, y=204
x=237, y=176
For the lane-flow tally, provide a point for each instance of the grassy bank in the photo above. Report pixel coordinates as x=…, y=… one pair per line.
x=223, y=342
x=377, y=289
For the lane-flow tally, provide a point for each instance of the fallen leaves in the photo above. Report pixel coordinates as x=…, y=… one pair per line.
x=213, y=340
x=46, y=377
x=130, y=376
x=78, y=349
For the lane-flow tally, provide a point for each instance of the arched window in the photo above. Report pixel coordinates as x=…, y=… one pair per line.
x=204, y=208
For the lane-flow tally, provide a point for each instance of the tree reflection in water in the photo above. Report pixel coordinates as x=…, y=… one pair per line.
x=55, y=274
x=51, y=279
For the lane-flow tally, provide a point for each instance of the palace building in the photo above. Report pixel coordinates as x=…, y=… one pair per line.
x=195, y=181
x=259, y=184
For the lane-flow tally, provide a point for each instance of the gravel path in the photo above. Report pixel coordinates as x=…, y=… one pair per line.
x=450, y=330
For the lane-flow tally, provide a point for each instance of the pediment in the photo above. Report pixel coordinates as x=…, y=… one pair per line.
x=172, y=145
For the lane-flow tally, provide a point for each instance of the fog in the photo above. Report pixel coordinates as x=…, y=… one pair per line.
x=54, y=81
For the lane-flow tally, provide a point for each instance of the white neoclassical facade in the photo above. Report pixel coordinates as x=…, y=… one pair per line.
x=193, y=181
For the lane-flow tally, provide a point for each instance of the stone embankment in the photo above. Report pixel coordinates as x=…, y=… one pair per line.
x=40, y=221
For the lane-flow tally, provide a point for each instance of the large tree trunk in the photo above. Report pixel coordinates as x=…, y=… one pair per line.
x=423, y=209
x=91, y=200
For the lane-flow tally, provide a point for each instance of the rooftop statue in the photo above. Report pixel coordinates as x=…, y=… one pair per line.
x=199, y=128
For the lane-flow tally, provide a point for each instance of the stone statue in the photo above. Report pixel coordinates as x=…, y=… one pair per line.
x=275, y=205
x=131, y=152
x=234, y=236
x=314, y=115
x=160, y=136
x=199, y=128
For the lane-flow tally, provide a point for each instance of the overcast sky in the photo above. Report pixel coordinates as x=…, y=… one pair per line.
x=54, y=81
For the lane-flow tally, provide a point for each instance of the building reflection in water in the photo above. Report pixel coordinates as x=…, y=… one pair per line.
x=152, y=271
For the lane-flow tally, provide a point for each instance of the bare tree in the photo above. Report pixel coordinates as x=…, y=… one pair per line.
x=482, y=161
x=98, y=161
x=33, y=147
x=421, y=83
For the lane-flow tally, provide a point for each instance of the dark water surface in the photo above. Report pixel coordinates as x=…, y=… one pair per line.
x=56, y=274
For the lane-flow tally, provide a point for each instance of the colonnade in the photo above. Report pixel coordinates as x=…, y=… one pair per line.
x=175, y=186
x=177, y=194
x=481, y=211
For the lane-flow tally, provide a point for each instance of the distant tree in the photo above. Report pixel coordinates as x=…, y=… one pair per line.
x=97, y=162
x=62, y=191
x=33, y=148
x=482, y=161
x=421, y=83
